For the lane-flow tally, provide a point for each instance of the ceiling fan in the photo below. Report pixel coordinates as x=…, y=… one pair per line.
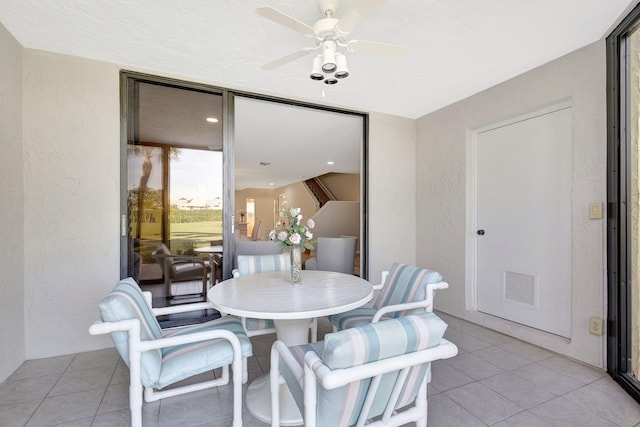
x=331, y=38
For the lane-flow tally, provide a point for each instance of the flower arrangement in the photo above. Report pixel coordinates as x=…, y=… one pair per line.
x=290, y=230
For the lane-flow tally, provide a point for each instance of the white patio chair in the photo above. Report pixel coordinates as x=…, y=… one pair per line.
x=404, y=289
x=367, y=374
x=334, y=254
x=157, y=360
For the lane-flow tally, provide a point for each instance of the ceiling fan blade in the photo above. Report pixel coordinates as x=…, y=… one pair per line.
x=383, y=50
x=285, y=59
x=286, y=20
x=361, y=10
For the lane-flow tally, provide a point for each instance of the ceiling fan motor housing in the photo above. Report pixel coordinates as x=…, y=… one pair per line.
x=328, y=7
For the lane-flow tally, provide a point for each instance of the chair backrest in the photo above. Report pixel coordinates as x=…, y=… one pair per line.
x=161, y=255
x=126, y=301
x=248, y=264
x=336, y=254
x=258, y=247
x=378, y=346
x=405, y=283
x=256, y=229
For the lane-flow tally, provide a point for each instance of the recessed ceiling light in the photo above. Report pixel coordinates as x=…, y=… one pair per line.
x=330, y=162
x=212, y=120
x=272, y=184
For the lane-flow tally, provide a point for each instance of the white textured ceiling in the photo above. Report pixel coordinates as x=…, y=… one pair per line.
x=456, y=47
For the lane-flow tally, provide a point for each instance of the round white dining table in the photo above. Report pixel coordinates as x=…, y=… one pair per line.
x=272, y=296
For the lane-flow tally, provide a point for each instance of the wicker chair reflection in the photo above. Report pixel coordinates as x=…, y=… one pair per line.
x=180, y=268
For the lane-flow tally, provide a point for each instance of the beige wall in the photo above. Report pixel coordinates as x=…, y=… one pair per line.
x=392, y=192
x=343, y=186
x=12, y=329
x=71, y=173
x=443, y=230
x=72, y=187
x=298, y=196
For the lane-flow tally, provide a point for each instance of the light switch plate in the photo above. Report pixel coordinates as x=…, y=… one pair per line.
x=595, y=210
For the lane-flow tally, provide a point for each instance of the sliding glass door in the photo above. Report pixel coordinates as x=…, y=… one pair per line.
x=174, y=165
x=623, y=66
x=204, y=167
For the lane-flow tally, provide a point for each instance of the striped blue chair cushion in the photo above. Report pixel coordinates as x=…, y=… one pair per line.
x=257, y=324
x=159, y=368
x=183, y=361
x=357, y=317
x=375, y=341
x=126, y=301
x=248, y=264
x=405, y=283
x=356, y=346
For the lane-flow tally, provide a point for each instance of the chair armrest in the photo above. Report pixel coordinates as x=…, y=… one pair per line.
x=400, y=307
x=191, y=338
x=100, y=328
x=132, y=327
x=331, y=379
x=431, y=291
x=186, y=259
x=427, y=303
x=182, y=308
x=383, y=278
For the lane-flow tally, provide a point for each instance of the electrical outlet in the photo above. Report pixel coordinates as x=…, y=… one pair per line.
x=595, y=325
x=595, y=210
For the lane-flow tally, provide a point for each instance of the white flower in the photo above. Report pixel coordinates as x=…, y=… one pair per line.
x=295, y=239
x=290, y=230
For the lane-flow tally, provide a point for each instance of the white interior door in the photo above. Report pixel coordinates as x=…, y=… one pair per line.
x=524, y=221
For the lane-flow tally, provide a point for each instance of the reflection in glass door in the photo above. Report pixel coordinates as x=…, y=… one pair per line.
x=174, y=166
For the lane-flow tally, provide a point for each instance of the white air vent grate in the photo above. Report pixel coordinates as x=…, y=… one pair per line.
x=519, y=287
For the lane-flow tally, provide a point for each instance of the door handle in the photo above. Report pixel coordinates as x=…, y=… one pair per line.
x=480, y=232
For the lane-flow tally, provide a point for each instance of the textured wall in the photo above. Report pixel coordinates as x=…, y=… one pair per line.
x=392, y=190
x=442, y=226
x=72, y=181
x=12, y=342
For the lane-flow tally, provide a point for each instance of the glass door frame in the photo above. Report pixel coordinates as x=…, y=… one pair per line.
x=228, y=126
x=619, y=253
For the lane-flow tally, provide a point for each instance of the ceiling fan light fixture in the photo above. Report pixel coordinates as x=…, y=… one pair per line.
x=341, y=62
x=316, y=70
x=329, y=56
x=330, y=81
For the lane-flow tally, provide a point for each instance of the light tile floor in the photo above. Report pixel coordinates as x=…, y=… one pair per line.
x=495, y=380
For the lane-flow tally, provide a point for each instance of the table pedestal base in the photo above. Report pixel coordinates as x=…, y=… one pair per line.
x=258, y=401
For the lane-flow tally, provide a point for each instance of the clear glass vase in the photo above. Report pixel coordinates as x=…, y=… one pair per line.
x=296, y=265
